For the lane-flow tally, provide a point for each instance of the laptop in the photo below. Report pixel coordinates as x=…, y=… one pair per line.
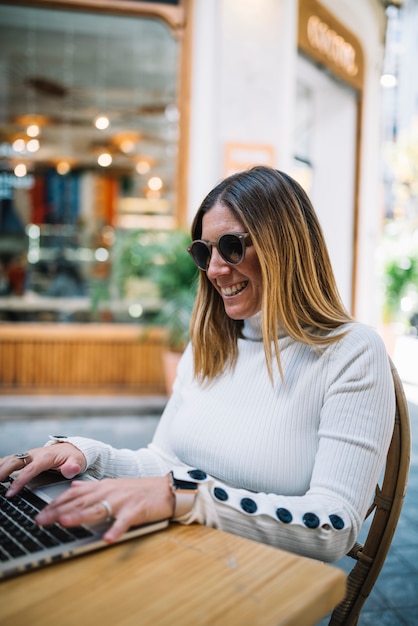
x=25, y=546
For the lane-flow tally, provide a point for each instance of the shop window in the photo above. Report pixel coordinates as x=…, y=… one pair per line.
x=302, y=136
x=89, y=132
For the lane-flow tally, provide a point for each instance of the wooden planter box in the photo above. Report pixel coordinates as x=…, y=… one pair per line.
x=82, y=358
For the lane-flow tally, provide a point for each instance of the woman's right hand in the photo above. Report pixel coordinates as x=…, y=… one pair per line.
x=63, y=457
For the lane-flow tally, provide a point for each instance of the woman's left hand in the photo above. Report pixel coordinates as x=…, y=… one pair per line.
x=128, y=501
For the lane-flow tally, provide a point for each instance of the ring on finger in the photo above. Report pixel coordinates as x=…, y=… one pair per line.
x=109, y=512
x=22, y=456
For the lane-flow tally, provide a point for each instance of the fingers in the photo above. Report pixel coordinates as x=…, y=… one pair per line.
x=13, y=463
x=118, y=528
x=22, y=463
x=24, y=457
x=71, y=468
x=63, y=457
x=72, y=514
x=129, y=501
x=77, y=505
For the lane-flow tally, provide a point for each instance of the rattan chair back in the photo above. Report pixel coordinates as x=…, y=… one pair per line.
x=385, y=509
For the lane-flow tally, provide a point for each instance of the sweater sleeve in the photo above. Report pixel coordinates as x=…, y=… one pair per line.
x=356, y=424
x=104, y=461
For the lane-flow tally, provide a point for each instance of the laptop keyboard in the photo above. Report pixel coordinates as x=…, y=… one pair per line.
x=19, y=533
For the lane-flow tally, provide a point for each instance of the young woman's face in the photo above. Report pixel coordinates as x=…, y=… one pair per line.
x=239, y=285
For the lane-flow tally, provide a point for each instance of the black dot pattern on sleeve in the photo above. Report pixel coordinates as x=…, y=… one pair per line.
x=249, y=505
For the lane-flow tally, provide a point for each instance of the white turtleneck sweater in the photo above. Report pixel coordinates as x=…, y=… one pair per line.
x=293, y=465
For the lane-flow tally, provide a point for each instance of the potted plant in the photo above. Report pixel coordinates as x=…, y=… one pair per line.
x=135, y=253
x=176, y=275
x=154, y=265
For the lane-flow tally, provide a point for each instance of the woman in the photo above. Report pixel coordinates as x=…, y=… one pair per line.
x=283, y=407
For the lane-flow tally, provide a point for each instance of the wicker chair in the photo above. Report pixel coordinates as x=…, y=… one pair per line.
x=387, y=505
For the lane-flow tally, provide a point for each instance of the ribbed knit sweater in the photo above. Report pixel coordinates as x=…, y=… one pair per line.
x=290, y=464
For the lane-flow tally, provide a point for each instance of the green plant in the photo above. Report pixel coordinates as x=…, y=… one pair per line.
x=159, y=261
x=175, y=274
x=135, y=254
x=399, y=259
x=400, y=274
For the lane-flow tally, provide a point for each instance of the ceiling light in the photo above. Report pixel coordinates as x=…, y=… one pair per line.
x=32, y=130
x=32, y=145
x=19, y=145
x=155, y=183
x=101, y=254
x=388, y=81
x=143, y=167
x=127, y=145
x=126, y=141
x=101, y=122
x=20, y=170
x=104, y=159
x=63, y=167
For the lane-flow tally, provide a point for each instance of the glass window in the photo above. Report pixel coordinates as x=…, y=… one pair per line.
x=88, y=149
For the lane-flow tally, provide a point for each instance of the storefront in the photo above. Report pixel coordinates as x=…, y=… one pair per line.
x=330, y=84
x=297, y=85
x=91, y=137
x=93, y=150
x=192, y=90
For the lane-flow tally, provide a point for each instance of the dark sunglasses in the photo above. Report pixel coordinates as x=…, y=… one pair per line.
x=231, y=247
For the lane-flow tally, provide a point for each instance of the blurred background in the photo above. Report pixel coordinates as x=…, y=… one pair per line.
x=117, y=118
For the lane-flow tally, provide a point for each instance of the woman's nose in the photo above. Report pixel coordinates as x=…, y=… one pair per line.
x=217, y=265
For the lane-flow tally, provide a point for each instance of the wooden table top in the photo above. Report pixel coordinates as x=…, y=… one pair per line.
x=181, y=576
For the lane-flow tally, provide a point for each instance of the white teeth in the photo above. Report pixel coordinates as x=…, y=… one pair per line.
x=232, y=291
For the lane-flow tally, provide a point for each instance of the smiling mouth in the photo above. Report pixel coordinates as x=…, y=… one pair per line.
x=234, y=289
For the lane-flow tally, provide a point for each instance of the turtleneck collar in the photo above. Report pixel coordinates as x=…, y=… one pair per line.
x=253, y=331
x=252, y=328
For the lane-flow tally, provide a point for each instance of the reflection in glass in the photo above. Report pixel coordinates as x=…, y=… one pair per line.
x=88, y=134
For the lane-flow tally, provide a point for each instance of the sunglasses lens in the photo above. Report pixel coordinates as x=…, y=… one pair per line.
x=200, y=254
x=231, y=248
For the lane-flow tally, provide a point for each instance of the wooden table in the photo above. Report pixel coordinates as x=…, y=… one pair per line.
x=181, y=576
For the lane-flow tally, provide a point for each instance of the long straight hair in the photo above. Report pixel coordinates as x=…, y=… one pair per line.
x=299, y=291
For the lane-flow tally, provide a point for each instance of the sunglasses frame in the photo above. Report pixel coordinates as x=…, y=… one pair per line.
x=244, y=239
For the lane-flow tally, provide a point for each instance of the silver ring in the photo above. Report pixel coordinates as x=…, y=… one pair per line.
x=22, y=456
x=108, y=508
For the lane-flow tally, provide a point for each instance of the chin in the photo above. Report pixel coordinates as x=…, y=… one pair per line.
x=238, y=315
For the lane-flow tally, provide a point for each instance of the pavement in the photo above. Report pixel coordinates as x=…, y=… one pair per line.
x=26, y=421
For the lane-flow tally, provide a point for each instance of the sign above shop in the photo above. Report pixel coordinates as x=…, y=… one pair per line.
x=241, y=156
x=324, y=38
x=331, y=45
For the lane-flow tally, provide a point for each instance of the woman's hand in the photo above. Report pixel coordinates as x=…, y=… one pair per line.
x=128, y=501
x=63, y=457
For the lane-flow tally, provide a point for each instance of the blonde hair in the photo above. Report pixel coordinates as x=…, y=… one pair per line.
x=299, y=290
